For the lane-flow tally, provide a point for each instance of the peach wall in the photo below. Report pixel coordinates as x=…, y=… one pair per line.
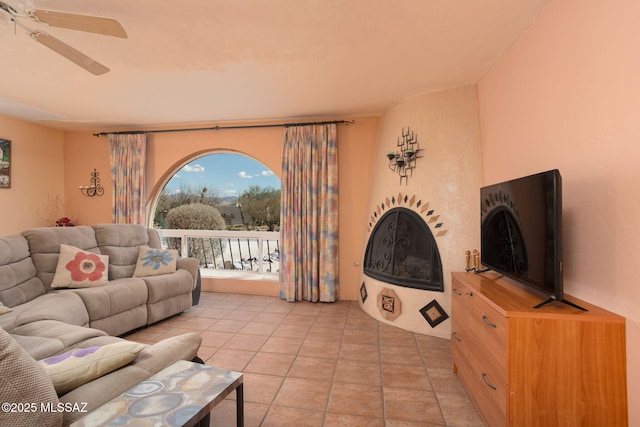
x=83, y=152
x=167, y=152
x=37, y=176
x=567, y=96
x=447, y=177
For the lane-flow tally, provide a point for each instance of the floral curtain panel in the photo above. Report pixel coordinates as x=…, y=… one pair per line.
x=128, y=158
x=309, y=214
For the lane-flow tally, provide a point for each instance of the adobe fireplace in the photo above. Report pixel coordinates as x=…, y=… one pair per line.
x=403, y=251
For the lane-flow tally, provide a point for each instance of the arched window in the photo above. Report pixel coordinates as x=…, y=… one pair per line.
x=244, y=191
x=233, y=201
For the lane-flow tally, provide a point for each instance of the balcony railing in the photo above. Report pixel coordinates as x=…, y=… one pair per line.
x=217, y=250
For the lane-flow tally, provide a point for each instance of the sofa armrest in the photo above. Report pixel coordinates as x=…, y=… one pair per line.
x=191, y=265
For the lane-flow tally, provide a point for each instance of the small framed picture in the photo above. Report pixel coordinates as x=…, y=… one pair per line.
x=5, y=163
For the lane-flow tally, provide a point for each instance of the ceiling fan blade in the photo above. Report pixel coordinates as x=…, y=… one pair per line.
x=68, y=52
x=72, y=21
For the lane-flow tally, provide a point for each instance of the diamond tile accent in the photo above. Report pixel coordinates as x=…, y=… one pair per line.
x=433, y=313
x=363, y=292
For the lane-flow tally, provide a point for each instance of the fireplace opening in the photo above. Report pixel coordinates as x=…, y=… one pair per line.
x=403, y=251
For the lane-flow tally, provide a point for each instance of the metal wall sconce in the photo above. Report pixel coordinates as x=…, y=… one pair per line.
x=94, y=189
x=404, y=161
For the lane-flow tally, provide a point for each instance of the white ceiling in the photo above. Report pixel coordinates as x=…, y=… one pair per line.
x=201, y=61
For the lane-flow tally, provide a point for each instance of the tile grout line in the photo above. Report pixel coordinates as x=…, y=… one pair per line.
x=286, y=375
x=428, y=373
x=384, y=403
x=335, y=369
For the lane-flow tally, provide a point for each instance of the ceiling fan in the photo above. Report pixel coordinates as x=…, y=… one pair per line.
x=71, y=21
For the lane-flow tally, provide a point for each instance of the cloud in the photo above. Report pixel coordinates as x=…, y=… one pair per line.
x=231, y=192
x=243, y=174
x=193, y=168
x=266, y=173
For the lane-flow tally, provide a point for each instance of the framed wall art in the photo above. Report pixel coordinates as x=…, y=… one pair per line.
x=5, y=163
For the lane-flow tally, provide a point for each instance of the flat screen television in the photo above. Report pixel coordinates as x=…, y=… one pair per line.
x=521, y=231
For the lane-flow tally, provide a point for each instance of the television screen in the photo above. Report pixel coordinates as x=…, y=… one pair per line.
x=521, y=230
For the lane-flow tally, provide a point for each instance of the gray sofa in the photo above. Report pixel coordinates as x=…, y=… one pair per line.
x=38, y=321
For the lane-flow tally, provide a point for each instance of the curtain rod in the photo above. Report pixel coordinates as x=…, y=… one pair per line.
x=274, y=125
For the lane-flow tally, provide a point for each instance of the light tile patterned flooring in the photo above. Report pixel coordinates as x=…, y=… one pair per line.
x=325, y=364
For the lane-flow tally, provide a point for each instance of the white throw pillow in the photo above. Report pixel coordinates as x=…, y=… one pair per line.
x=80, y=269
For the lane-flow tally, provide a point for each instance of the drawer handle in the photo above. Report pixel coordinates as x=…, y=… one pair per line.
x=486, y=320
x=470, y=294
x=484, y=378
x=456, y=337
x=457, y=292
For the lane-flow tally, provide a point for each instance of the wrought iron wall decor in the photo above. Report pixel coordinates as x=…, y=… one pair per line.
x=94, y=188
x=403, y=160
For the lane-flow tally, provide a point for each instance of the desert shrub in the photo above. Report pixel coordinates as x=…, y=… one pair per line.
x=197, y=216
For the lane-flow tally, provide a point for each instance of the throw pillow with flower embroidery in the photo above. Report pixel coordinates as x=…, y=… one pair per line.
x=80, y=269
x=152, y=262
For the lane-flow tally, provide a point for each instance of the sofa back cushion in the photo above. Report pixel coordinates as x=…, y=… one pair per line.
x=44, y=244
x=18, y=281
x=121, y=242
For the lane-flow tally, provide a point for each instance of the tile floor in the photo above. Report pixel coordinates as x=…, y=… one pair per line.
x=321, y=364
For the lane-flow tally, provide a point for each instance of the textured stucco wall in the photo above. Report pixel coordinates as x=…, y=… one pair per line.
x=447, y=177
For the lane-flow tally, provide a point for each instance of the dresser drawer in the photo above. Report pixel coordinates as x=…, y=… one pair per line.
x=479, y=352
x=490, y=318
x=490, y=399
x=483, y=360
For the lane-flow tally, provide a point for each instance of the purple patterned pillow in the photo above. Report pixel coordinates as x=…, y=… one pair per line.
x=76, y=353
x=74, y=368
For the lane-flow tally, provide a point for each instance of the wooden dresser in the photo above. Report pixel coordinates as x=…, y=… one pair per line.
x=551, y=366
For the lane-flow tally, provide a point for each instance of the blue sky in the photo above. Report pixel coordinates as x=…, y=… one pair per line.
x=223, y=174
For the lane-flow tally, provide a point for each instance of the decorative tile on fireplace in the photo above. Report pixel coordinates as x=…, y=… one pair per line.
x=363, y=292
x=434, y=313
x=419, y=206
x=389, y=304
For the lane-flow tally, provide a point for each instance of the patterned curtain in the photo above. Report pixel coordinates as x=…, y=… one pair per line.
x=128, y=157
x=309, y=214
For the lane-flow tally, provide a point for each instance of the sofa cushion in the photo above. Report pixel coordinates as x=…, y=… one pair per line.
x=44, y=245
x=24, y=381
x=121, y=242
x=118, y=296
x=46, y=338
x=80, y=269
x=61, y=305
x=168, y=285
x=76, y=367
x=152, y=261
x=18, y=281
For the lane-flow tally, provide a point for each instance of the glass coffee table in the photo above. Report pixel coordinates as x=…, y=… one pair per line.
x=181, y=395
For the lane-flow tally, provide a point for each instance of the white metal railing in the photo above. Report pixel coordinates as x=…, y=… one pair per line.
x=255, y=251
